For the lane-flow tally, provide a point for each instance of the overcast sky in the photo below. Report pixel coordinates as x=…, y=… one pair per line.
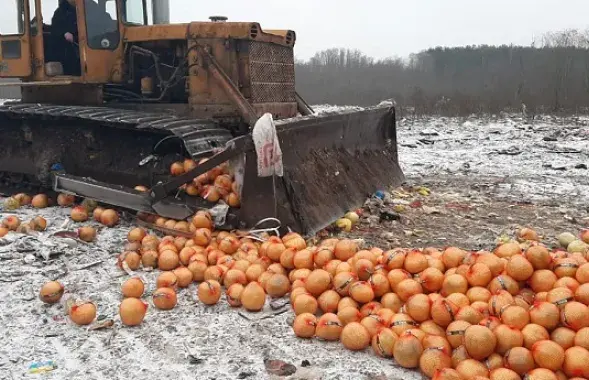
x=383, y=28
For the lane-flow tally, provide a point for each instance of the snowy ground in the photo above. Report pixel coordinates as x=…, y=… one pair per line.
x=195, y=341
x=536, y=160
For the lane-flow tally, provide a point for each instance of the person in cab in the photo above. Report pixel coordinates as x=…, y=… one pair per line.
x=64, y=28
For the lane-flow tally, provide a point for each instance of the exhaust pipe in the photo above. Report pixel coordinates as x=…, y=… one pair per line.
x=160, y=11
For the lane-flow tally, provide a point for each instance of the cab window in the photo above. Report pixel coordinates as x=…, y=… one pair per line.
x=12, y=19
x=137, y=12
x=102, y=25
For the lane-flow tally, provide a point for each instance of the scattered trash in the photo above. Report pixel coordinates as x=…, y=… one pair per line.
x=431, y=210
x=427, y=142
x=429, y=132
x=388, y=216
x=279, y=303
x=192, y=357
x=279, y=367
x=416, y=204
x=511, y=151
x=43, y=247
x=399, y=209
x=388, y=236
x=102, y=325
x=42, y=367
x=458, y=206
x=219, y=213
x=553, y=166
x=423, y=191
x=401, y=194
x=380, y=194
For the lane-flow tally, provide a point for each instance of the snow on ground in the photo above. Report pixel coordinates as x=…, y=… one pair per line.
x=196, y=341
x=223, y=344
x=531, y=159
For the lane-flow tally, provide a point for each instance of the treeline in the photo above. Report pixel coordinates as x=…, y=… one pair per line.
x=549, y=76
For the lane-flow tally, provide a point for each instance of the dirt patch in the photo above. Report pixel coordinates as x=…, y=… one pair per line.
x=471, y=214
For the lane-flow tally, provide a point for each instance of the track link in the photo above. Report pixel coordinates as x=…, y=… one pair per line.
x=101, y=142
x=13, y=183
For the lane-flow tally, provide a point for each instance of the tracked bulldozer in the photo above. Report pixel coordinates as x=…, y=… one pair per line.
x=147, y=94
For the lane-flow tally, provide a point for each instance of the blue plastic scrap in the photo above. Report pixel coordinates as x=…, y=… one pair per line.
x=57, y=167
x=40, y=367
x=379, y=194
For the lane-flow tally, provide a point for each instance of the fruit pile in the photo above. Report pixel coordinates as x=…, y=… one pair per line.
x=79, y=213
x=519, y=311
x=13, y=223
x=217, y=184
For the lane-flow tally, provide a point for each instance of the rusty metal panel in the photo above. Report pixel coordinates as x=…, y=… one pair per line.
x=239, y=31
x=331, y=164
x=155, y=32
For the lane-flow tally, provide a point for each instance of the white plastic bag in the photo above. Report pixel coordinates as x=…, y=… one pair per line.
x=267, y=147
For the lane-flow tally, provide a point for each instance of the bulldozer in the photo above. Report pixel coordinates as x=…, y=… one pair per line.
x=147, y=93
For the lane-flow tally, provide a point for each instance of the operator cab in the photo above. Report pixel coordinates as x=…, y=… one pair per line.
x=33, y=46
x=43, y=37
x=62, y=56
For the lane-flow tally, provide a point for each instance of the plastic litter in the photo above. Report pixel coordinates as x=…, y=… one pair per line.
x=380, y=194
x=267, y=147
x=42, y=367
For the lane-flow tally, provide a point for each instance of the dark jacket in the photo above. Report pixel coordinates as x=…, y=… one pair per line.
x=64, y=20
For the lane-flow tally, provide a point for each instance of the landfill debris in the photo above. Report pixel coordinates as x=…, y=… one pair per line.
x=380, y=194
x=279, y=367
x=431, y=210
x=42, y=367
x=487, y=191
x=102, y=325
x=388, y=216
x=429, y=132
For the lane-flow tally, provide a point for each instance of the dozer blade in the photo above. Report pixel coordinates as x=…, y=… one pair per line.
x=332, y=163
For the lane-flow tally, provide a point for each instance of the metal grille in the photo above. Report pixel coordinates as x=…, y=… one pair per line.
x=272, y=73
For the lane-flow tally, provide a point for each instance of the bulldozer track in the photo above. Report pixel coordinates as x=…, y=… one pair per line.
x=13, y=183
x=104, y=143
x=200, y=136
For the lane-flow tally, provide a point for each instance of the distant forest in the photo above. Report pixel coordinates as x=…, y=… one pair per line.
x=550, y=76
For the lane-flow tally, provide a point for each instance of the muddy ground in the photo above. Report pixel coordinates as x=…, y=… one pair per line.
x=466, y=213
x=468, y=182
